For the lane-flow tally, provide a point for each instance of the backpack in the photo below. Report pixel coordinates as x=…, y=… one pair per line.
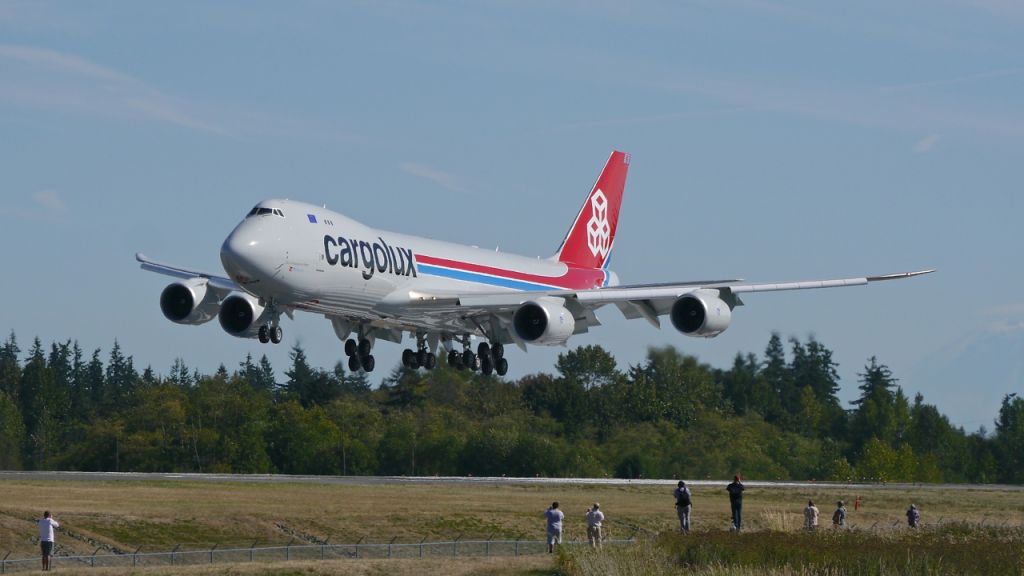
x=683, y=499
x=837, y=516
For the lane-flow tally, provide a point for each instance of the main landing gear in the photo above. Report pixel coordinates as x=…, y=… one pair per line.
x=359, y=356
x=422, y=358
x=270, y=333
x=488, y=358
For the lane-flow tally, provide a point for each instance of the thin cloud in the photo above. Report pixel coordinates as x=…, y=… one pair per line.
x=431, y=174
x=966, y=78
x=69, y=83
x=49, y=200
x=924, y=145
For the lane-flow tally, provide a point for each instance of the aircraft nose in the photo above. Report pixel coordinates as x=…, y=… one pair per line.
x=245, y=255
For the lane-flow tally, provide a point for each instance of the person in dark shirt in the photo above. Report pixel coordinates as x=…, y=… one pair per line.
x=736, y=502
x=683, y=506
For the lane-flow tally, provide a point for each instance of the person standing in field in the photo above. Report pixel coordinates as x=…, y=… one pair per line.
x=839, y=516
x=913, y=516
x=684, y=503
x=554, y=518
x=594, y=519
x=735, y=490
x=46, y=526
x=811, y=516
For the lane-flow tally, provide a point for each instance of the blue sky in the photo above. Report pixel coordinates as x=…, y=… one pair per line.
x=771, y=140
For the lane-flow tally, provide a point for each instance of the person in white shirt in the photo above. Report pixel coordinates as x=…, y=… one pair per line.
x=554, y=517
x=594, y=519
x=46, y=526
x=811, y=516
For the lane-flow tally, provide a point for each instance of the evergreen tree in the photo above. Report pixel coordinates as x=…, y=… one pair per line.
x=1009, y=439
x=307, y=385
x=121, y=378
x=12, y=433
x=779, y=380
x=10, y=368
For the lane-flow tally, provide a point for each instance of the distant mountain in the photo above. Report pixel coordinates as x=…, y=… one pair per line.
x=968, y=380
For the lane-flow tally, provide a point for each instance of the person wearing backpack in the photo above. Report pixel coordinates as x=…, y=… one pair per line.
x=839, y=516
x=684, y=504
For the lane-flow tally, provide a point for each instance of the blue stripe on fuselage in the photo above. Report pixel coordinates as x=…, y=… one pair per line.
x=482, y=278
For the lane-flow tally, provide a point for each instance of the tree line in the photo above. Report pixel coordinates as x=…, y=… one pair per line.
x=774, y=416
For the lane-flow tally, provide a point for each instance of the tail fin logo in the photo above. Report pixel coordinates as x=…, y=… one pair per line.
x=599, y=231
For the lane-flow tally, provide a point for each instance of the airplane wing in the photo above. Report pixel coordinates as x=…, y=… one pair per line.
x=491, y=313
x=220, y=284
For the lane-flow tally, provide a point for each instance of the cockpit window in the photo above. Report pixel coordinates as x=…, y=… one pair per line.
x=260, y=211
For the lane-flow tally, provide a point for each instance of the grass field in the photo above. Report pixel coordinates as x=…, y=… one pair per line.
x=159, y=515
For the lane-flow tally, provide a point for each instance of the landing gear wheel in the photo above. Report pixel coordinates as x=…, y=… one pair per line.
x=350, y=347
x=408, y=357
x=276, y=334
x=483, y=350
x=469, y=359
x=421, y=358
x=431, y=361
x=501, y=366
x=263, y=335
x=369, y=363
x=498, y=350
x=486, y=366
x=353, y=363
x=364, y=348
x=453, y=359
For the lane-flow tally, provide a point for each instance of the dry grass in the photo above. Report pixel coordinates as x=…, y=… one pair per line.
x=158, y=515
x=521, y=566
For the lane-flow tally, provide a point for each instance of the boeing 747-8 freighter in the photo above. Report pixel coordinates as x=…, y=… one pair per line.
x=288, y=256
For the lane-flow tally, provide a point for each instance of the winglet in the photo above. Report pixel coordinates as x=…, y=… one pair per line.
x=900, y=275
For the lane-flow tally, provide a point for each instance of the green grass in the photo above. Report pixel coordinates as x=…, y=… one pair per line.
x=949, y=549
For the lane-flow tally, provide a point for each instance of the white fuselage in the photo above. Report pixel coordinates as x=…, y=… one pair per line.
x=308, y=257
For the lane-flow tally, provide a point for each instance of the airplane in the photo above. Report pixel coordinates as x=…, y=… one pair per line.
x=287, y=256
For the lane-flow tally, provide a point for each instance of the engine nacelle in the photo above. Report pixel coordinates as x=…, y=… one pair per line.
x=189, y=302
x=242, y=315
x=701, y=314
x=544, y=321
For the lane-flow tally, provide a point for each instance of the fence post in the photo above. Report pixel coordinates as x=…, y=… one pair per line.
x=421, y=546
x=211, y=553
x=517, y=546
x=455, y=545
x=487, y=546
x=135, y=556
x=357, y=545
x=172, y=554
x=252, y=549
x=288, y=550
x=3, y=565
x=389, y=545
x=92, y=559
x=322, y=546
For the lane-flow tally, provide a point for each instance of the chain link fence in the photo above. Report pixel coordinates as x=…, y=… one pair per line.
x=216, y=555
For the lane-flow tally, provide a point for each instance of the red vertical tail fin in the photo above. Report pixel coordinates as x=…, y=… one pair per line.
x=589, y=241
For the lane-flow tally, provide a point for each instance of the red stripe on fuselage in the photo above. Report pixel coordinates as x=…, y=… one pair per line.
x=572, y=279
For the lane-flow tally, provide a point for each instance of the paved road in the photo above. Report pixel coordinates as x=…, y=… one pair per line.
x=465, y=480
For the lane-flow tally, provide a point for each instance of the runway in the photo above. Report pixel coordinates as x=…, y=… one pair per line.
x=47, y=476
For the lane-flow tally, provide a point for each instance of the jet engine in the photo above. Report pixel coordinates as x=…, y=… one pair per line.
x=242, y=315
x=189, y=302
x=544, y=321
x=701, y=314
